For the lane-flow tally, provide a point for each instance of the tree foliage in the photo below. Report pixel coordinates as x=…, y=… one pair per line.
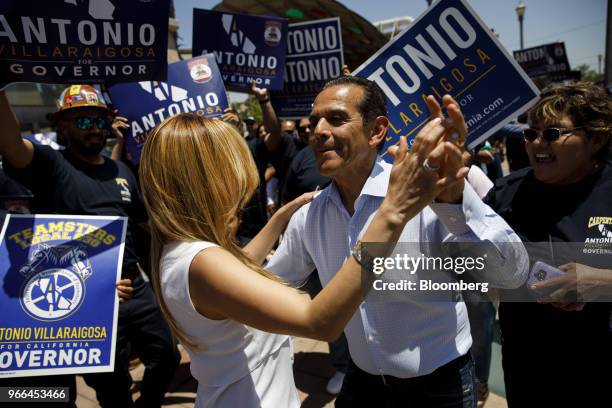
x=589, y=74
x=250, y=107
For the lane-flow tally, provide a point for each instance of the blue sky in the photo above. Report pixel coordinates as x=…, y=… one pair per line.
x=581, y=24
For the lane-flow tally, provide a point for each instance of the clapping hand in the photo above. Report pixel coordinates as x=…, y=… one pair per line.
x=416, y=177
x=454, y=138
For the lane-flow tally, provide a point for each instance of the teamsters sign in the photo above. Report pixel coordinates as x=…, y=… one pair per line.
x=58, y=299
x=449, y=50
x=76, y=41
x=247, y=48
x=193, y=86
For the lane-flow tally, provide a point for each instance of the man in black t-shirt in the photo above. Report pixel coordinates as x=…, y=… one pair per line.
x=79, y=180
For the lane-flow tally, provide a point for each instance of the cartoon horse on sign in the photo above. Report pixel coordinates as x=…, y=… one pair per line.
x=45, y=256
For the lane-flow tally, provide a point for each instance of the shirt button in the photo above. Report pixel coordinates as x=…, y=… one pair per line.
x=371, y=338
x=453, y=219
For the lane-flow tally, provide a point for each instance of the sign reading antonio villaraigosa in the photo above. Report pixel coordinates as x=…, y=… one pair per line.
x=193, y=86
x=314, y=56
x=547, y=62
x=449, y=50
x=83, y=41
x=247, y=48
x=58, y=298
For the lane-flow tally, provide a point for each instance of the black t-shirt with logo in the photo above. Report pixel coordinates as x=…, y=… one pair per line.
x=63, y=184
x=579, y=213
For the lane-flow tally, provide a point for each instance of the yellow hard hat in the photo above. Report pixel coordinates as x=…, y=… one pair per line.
x=80, y=96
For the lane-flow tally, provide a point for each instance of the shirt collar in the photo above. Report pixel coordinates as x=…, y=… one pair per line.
x=376, y=184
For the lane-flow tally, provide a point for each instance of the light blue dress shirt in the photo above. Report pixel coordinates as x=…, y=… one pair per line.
x=411, y=337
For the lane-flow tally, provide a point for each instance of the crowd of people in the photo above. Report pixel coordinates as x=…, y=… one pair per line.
x=231, y=219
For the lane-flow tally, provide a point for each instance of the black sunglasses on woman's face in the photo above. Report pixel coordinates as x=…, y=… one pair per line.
x=549, y=134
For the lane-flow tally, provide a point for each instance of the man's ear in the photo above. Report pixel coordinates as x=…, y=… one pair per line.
x=379, y=130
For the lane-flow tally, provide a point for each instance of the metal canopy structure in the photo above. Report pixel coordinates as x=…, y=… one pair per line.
x=359, y=37
x=392, y=27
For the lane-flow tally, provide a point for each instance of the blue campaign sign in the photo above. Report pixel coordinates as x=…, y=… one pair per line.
x=449, y=50
x=545, y=62
x=314, y=56
x=248, y=48
x=58, y=300
x=76, y=41
x=193, y=86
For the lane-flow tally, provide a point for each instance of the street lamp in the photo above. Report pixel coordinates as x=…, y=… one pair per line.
x=520, y=12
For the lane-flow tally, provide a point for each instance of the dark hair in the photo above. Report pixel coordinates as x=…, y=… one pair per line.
x=586, y=104
x=373, y=103
x=259, y=126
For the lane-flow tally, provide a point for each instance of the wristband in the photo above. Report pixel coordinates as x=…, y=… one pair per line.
x=265, y=100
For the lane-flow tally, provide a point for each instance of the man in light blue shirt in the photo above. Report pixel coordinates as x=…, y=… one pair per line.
x=410, y=352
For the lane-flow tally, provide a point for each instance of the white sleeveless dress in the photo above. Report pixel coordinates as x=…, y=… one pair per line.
x=237, y=365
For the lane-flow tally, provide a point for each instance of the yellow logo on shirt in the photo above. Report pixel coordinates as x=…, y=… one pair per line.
x=593, y=221
x=126, y=195
x=601, y=242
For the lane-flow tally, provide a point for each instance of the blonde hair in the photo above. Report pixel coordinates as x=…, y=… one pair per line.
x=195, y=174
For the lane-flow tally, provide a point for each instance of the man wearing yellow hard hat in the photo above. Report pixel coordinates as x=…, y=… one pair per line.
x=83, y=120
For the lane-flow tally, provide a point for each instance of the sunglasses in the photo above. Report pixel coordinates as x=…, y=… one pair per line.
x=87, y=122
x=549, y=134
x=302, y=129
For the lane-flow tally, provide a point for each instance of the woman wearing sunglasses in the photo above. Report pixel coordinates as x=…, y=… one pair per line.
x=557, y=351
